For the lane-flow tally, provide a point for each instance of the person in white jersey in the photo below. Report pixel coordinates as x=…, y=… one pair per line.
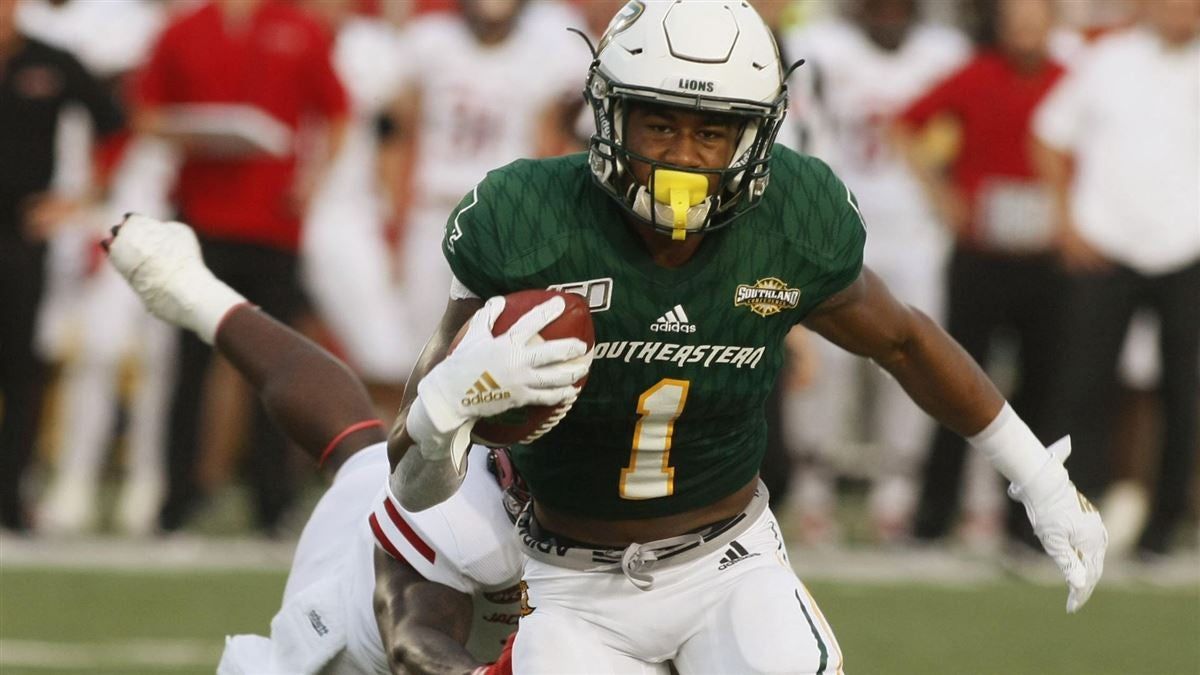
x=372, y=588
x=861, y=69
x=346, y=262
x=483, y=102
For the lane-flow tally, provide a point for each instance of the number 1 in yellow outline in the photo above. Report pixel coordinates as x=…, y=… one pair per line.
x=658, y=408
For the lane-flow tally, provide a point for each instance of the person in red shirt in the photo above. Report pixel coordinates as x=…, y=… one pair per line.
x=1003, y=274
x=230, y=82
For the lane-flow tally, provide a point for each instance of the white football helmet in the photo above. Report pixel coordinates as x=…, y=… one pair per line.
x=712, y=55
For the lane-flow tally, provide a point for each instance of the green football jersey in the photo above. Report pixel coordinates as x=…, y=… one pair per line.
x=671, y=418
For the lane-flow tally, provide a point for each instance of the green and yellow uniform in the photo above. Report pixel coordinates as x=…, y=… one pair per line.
x=672, y=416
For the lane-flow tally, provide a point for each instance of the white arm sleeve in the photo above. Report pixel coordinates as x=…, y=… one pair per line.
x=465, y=542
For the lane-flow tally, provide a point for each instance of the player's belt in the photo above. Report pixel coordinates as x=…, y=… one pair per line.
x=636, y=560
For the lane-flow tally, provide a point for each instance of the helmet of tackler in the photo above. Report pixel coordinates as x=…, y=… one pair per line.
x=512, y=487
x=706, y=55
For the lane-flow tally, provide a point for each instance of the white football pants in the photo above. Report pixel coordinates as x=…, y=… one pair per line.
x=738, y=608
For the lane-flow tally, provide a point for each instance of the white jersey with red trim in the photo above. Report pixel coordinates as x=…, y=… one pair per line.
x=346, y=266
x=327, y=621
x=862, y=87
x=481, y=106
x=467, y=543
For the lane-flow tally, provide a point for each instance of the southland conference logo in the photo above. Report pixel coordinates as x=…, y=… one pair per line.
x=767, y=296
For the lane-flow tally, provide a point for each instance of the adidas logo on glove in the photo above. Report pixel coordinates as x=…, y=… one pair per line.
x=486, y=390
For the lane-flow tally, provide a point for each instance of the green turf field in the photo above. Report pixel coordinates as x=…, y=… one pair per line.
x=173, y=622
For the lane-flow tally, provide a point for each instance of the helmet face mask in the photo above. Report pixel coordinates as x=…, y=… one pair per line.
x=698, y=56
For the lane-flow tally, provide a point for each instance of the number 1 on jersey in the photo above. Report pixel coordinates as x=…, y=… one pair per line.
x=650, y=473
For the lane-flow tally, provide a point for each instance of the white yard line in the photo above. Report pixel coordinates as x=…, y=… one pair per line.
x=80, y=656
x=936, y=566
x=182, y=553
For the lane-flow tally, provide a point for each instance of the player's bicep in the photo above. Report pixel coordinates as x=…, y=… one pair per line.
x=864, y=318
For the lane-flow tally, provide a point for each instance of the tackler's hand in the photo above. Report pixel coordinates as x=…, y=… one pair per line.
x=162, y=263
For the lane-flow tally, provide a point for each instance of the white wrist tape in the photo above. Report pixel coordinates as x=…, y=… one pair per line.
x=1011, y=447
x=433, y=444
x=208, y=304
x=163, y=264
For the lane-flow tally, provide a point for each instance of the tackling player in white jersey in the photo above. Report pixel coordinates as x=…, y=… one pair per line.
x=860, y=71
x=373, y=588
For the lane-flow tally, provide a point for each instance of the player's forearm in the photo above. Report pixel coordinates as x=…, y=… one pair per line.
x=420, y=482
x=457, y=313
x=942, y=378
x=424, y=625
x=308, y=393
x=936, y=372
x=427, y=651
x=421, y=456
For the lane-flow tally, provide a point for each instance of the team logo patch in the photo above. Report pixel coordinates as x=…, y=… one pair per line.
x=526, y=610
x=767, y=296
x=597, y=292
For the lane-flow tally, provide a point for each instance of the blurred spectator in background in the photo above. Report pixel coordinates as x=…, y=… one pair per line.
x=575, y=117
x=778, y=461
x=867, y=67
x=230, y=82
x=1003, y=279
x=91, y=322
x=1118, y=140
x=482, y=85
x=348, y=266
x=36, y=82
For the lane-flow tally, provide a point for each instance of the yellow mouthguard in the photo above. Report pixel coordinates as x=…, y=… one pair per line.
x=681, y=190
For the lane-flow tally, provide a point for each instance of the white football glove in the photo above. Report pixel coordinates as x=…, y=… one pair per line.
x=486, y=375
x=1067, y=524
x=162, y=262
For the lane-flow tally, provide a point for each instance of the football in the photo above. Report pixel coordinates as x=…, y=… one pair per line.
x=528, y=423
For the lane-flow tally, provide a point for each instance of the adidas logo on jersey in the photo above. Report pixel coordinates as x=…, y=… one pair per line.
x=674, y=321
x=486, y=389
x=735, y=554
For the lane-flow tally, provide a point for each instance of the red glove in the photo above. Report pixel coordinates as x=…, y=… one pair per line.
x=503, y=664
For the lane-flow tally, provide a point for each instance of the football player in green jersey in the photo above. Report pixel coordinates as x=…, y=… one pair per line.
x=698, y=246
